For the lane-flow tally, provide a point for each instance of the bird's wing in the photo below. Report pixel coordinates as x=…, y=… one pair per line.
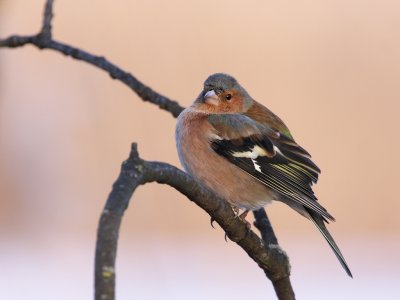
x=269, y=156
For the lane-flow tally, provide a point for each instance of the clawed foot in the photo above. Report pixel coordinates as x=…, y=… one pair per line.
x=242, y=217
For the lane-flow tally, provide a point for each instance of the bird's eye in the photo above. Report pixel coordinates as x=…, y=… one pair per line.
x=228, y=97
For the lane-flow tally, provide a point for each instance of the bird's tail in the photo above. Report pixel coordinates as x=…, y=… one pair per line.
x=319, y=222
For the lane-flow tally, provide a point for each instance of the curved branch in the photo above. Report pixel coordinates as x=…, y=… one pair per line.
x=134, y=172
x=44, y=40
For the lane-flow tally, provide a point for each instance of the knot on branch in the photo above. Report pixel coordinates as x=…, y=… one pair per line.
x=43, y=39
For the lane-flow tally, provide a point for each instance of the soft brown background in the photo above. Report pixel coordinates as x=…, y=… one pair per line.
x=330, y=69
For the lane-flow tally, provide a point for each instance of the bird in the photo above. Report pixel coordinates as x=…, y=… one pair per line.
x=244, y=153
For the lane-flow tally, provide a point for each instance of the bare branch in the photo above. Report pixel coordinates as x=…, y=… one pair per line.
x=264, y=226
x=134, y=172
x=44, y=40
x=47, y=18
x=283, y=287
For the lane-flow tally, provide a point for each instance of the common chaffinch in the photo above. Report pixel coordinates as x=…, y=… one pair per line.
x=243, y=152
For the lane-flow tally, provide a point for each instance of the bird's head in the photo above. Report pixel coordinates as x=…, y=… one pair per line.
x=223, y=94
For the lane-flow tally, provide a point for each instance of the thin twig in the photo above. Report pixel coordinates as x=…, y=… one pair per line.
x=44, y=40
x=47, y=18
x=264, y=226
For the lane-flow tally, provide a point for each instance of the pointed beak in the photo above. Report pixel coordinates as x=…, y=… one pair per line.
x=211, y=98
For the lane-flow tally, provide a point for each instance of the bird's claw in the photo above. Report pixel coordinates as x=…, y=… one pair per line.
x=212, y=222
x=236, y=211
x=242, y=217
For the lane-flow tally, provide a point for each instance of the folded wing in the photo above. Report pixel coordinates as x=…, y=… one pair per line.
x=269, y=156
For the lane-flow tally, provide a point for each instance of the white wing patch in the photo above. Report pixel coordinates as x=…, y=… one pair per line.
x=277, y=150
x=256, y=166
x=253, y=154
x=213, y=136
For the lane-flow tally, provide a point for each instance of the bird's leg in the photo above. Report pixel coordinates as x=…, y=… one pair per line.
x=243, y=216
x=236, y=211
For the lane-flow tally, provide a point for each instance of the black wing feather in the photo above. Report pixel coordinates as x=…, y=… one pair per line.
x=290, y=173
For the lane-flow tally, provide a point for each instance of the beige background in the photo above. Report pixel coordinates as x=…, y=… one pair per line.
x=330, y=69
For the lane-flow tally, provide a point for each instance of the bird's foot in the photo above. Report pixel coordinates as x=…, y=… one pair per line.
x=236, y=211
x=243, y=216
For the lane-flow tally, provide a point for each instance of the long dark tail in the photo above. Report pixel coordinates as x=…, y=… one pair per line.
x=319, y=222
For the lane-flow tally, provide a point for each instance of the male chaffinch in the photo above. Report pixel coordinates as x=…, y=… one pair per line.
x=243, y=152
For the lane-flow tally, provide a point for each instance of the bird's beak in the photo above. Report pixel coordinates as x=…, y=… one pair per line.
x=211, y=98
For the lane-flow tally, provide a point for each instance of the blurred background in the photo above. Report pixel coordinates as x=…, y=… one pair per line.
x=329, y=69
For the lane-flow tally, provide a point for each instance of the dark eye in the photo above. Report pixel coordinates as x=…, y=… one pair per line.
x=228, y=97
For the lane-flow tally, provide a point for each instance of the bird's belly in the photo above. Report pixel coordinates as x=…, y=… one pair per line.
x=224, y=178
x=238, y=188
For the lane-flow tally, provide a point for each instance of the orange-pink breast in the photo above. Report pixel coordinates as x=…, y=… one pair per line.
x=193, y=136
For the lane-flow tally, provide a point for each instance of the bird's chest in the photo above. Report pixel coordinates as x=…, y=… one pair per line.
x=215, y=172
x=194, y=148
